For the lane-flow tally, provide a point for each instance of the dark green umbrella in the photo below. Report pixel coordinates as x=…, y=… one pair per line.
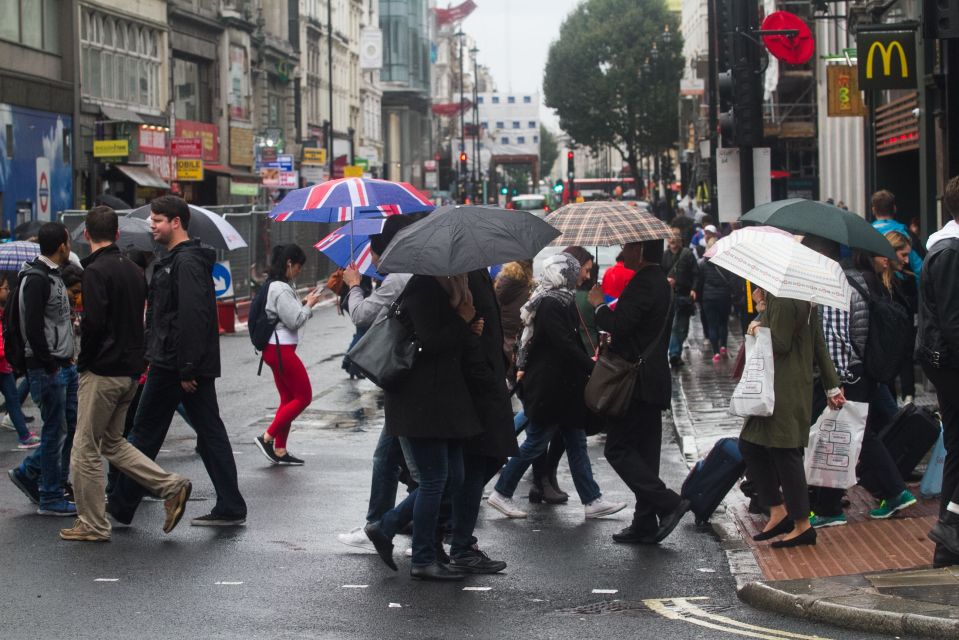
x=809, y=217
x=458, y=239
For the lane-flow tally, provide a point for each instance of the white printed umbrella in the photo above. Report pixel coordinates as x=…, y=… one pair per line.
x=775, y=261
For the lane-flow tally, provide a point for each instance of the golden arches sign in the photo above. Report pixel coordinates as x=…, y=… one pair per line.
x=879, y=71
x=886, y=53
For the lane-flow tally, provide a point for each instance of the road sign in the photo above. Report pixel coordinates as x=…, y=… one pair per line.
x=313, y=174
x=222, y=280
x=313, y=155
x=189, y=169
x=111, y=148
x=352, y=171
x=187, y=147
x=887, y=59
x=43, y=189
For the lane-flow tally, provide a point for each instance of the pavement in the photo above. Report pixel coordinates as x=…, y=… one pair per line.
x=285, y=575
x=869, y=575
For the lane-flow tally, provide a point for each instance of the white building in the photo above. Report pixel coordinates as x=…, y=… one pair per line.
x=511, y=122
x=371, y=93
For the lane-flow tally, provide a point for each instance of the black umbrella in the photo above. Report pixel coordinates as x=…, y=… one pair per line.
x=458, y=239
x=113, y=202
x=134, y=233
x=802, y=216
x=206, y=226
x=27, y=230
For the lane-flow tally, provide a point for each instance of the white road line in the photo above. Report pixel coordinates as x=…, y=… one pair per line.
x=605, y=590
x=106, y=579
x=395, y=605
x=225, y=583
x=693, y=609
x=683, y=610
x=354, y=586
x=477, y=588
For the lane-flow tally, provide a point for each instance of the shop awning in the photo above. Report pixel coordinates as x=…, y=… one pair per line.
x=159, y=121
x=143, y=176
x=117, y=114
x=236, y=174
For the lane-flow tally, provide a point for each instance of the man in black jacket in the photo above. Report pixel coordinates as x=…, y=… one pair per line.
x=938, y=350
x=183, y=349
x=681, y=269
x=110, y=363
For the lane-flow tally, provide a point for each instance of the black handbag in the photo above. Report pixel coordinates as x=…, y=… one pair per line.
x=387, y=351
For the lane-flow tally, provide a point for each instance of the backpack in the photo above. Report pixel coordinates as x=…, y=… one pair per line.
x=260, y=326
x=14, y=343
x=886, y=350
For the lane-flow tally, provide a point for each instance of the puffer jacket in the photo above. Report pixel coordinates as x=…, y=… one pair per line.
x=858, y=317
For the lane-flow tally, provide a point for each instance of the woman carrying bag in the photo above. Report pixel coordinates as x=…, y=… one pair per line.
x=289, y=374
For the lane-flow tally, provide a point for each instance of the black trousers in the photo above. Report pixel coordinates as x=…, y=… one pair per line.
x=161, y=395
x=772, y=469
x=947, y=390
x=633, y=449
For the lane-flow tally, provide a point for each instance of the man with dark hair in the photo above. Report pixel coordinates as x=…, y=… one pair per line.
x=110, y=362
x=681, y=269
x=183, y=349
x=938, y=351
x=47, y=330
x=884, y=210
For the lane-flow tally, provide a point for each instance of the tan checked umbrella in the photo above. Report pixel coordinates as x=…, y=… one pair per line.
x=605, y=224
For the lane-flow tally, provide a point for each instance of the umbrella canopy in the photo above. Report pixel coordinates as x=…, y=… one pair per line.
x=782, y=266
x=14, y=254
x=134, y=232
x=818, y=218
x=458, y=239
x=28, y=229
x=208, y=227
x=606, y=224
x=347, y=198
x=350, y=245
x=112, y=201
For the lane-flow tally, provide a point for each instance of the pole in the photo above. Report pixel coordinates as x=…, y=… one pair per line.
x=329, y=71
x=475, y=164
x=713, y=97
x=461, y=171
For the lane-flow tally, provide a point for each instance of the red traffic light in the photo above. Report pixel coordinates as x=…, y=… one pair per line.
x=462, y=157
x=569, y=155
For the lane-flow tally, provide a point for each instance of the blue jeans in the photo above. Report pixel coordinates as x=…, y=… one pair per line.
x=477, y=472
x=717, y=321
x=537, y=441
x=8, y=387
x=44, y=465
x=440, y=465
x=386, y=474
x=71, y=380
x=680, y=330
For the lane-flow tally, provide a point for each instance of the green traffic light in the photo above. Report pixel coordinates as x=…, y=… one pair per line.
x=557, y=188
x=504, y=190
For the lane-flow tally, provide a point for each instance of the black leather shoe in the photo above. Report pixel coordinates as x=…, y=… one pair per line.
x=786, y=525
x=807, y=537
x=669, y=521
x=629, y=535
x=435, y=571
x=946, y=532
x=943, y=558
x=384, y=546
x=475, y=561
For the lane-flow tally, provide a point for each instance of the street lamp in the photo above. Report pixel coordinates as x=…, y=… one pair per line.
x=475, y=165
x=460, y=170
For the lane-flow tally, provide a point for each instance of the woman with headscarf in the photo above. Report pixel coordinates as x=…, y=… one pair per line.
x=553, y=369
x=433, y=410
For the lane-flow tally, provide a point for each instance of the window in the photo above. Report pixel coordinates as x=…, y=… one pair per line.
x=484, y=124
x=9, y=140
x=120, y=60
x=511, y=100
x=531, y=124
x=504, y=140
x=527, y=100
x=479, y=99
x=500, y=124
x=495, y=99
x=32, y=23
x=516, y=124
x=535, y=139
x=521, y=140
x=190, y=93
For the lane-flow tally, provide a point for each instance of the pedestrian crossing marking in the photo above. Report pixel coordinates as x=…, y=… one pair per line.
x=231, y=584
x=355, y=586
x=683, y=609
x=477, y=588
x=106, y=579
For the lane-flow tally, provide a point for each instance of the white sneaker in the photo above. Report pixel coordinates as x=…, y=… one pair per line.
x=7, y=423
x=907, y=400
x=356, y=538
x=599, y=508
x=505, y=505
x=408, y=553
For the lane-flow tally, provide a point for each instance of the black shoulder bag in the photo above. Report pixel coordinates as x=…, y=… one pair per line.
x=387, y=351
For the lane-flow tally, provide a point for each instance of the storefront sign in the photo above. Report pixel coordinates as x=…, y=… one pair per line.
x=842, y=89
x=239, y=86
x=241, y=147
x=313, y=174
x=111, y=148
x=887, y=59
x=270, y=177
x=283, y=162
x=189, y=170
x=151, y=141
x=164, y=166
x=362, y=163
x=187, y=147
x=244, y=188
x=313, y=155
x=208, y=134
x=288, y=180
x=352, y=171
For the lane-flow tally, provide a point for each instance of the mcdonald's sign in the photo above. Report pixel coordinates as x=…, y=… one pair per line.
x=887, y=59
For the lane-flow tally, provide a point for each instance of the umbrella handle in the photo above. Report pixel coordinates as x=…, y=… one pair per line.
x=749, y=297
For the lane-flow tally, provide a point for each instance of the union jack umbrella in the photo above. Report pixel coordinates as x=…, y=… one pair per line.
x=348, y=198
x=350, y=245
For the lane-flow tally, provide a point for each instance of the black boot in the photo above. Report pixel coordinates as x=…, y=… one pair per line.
x=536, y=490
x=554, y=484
x=945, y=533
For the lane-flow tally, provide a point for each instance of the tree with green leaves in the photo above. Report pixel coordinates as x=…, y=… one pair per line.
x=613, y=76
x=548, y=151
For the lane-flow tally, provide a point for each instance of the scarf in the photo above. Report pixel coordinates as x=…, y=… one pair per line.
x=560, y=273
x=457, y=288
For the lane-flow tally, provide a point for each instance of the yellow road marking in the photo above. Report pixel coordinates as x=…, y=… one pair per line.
x=682, y=609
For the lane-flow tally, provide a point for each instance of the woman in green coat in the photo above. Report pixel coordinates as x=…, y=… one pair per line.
x=772, y=446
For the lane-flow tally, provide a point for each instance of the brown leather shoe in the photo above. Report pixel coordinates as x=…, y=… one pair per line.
x=81, y=533
x=175, y=507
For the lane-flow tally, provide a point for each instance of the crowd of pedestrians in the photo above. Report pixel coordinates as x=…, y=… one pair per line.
x=109, y=369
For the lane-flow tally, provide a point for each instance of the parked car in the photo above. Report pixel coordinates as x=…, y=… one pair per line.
x=533, y=202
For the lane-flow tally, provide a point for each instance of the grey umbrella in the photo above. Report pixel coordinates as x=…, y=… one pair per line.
x=458, y=239
x=134, y=232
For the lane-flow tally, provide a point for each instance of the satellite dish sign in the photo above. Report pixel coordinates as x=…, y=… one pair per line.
x=797, y=49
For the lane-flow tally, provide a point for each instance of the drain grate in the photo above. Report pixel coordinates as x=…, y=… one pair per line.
x=606, y=606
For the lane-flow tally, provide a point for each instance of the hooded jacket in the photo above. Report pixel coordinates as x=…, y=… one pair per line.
x=45, y=317
x=182, y=334
x=938, y=340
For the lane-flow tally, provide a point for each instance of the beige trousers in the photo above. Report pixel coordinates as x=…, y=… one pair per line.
x=102, y=405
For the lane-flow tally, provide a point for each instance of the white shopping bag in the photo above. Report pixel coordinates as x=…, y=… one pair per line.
x=755, y=394
x=834, y=445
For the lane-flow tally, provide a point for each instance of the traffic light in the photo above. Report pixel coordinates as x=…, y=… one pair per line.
x=570, y=163
x=463, y=159
x=503, y=190
x=727, y=120
x=558, y=187
x=940, y=19
x=747, y=77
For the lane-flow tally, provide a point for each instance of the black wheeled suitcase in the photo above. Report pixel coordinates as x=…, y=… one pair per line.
x=909, y=436
x=712, y=477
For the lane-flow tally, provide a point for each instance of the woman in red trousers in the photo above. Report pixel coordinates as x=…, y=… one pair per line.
x=292, y=381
